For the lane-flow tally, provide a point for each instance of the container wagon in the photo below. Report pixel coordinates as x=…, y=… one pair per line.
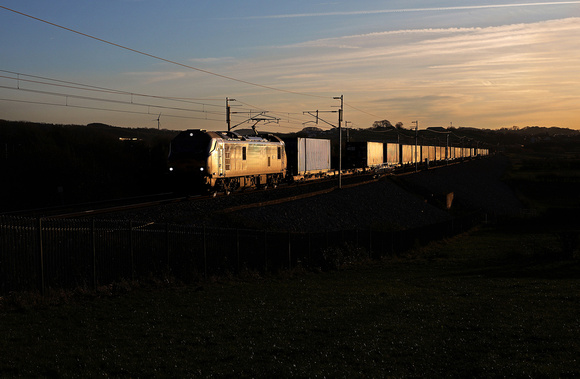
x=307, y=157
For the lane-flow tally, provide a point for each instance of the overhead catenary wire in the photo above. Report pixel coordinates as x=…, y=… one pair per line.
x=410, y=134
x=75, y=86
x=105, y=109
x=282, y=114
x=87, y=87
x=360, y=110
x=109, y=100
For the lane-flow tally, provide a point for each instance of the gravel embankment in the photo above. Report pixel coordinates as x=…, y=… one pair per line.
x=395, y=202
x=476, y=185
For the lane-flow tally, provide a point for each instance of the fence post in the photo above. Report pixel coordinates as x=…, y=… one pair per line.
x=41, y=255
x=265, y=250
x=289, y=252
x=167, y=265
x=382, y=253
x=238, y=249
x=93, y=243
x=204, y=255
x=370, y=243
x=310, y=249
x=131, y=250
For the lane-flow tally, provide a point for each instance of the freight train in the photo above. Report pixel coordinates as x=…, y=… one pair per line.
x=225, y=161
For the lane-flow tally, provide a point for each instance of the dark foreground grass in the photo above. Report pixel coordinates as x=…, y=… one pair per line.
x=486, y=304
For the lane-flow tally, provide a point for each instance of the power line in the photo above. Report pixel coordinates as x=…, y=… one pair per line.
x=87, y=87
x=80, y=86
x=103, y=109
x=92, y=88
x=160, y=58
x=106, y=100
x=360, y=110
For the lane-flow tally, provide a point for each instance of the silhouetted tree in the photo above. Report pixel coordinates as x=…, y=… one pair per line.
x=383, y=124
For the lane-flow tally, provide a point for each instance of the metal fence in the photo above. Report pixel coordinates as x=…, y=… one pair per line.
x=37, y=254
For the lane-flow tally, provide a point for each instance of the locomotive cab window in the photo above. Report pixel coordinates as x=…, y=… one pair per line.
x=244, y=153
x=279, y=153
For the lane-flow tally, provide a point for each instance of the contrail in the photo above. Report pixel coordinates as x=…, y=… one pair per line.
x=381, y=11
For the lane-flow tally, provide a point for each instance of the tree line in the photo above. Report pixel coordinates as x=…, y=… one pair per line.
x=46, y=164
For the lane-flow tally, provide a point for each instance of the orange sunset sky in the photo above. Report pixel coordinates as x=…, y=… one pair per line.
x=129, y=62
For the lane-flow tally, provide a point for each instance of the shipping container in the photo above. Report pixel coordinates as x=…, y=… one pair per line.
x=375, y=154
x=408, y=154
x=391, y=153
x=364, y=154
x=432, y=153
x=424, y=153
x=438, y=153
x=307, y=156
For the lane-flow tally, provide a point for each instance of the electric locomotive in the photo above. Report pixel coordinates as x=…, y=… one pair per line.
x=226, y=161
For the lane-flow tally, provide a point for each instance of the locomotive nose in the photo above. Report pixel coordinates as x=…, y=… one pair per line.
x=187, y=166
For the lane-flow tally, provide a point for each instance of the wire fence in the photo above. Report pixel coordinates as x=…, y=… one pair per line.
x=38, y=254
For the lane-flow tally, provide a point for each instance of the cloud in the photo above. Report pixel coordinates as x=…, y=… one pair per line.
x=482, y=76
x=213, y=60
x=520, y=71
x=534, y=45
x=352, y=40
x=407, y=10
x=299, y=76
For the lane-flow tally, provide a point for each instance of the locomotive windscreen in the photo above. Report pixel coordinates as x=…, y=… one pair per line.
x=190, y=144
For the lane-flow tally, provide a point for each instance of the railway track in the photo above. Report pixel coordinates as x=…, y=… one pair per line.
x=305, y=189
x=99, y=207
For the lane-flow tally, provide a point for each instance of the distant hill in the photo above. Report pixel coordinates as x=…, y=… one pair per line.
x=46, y=164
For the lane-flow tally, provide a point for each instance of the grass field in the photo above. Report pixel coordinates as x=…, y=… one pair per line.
x=502, y=300
x=484, y=304
x=546, y=180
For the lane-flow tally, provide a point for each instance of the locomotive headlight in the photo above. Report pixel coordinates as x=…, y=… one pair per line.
x=170, y=168
x=201, y=169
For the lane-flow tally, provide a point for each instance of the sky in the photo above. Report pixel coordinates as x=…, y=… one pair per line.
x=172, y=63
